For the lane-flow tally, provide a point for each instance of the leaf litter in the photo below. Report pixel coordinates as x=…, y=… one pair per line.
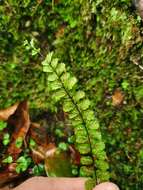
x=28, y=149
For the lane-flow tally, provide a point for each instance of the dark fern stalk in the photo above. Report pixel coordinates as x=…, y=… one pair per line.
x=63, y=87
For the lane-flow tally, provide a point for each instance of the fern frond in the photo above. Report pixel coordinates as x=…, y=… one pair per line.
x=63, y=87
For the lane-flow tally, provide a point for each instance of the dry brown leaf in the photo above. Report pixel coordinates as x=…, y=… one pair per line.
x=117, y=97
x=58, y=164
x=60, y=32
x=6, y=113
x=6, y=177
x=40, y=153
x=39, y=134
x=12, y=167
x=17, y=117
x=75, y=155
x=21, y=122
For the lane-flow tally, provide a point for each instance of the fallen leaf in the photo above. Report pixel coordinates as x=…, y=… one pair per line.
x=21, y=122
x=6, y=113
x=75, y=155
x=39, y=153
x=12, y=167
x=17, y=117
x=58, y=164
x=39, y=134
x=117, y=97
x=6, y=177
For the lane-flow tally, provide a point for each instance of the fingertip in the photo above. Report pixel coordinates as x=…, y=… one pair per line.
x=106, y=186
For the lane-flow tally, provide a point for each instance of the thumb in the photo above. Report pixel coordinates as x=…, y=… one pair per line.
x=106, y=186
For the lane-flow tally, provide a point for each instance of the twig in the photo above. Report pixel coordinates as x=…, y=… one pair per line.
x=136, y=63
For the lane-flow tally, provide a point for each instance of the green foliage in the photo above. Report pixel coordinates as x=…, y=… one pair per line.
x=19, y=142
x=8, y=160
x=31, y=47
x=86, y=128
x=38, y=170
x=139, y=94
x=21, y=22
x=32, y=143
x=22, y=163
x=6, y=139
x=3, y=125
x=63, y=146
x=75, y=171
x=90, y=184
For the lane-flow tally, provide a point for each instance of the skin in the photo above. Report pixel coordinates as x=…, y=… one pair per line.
x=139, y=6
x=43, y=183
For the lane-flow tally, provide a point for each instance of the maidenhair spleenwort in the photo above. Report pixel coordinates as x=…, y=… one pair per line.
x=88, y=140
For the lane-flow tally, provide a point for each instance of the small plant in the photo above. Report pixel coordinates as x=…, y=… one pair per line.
x=19, y=142
x=63, y=146
x=31, y=47
x=63, y=87
x=22, y=163
x=3, y=125
x=32, y=143
x=38, y=170
x=8, y=160
x=6, y=139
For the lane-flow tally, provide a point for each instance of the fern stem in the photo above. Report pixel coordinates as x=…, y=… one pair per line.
x=80, y=114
